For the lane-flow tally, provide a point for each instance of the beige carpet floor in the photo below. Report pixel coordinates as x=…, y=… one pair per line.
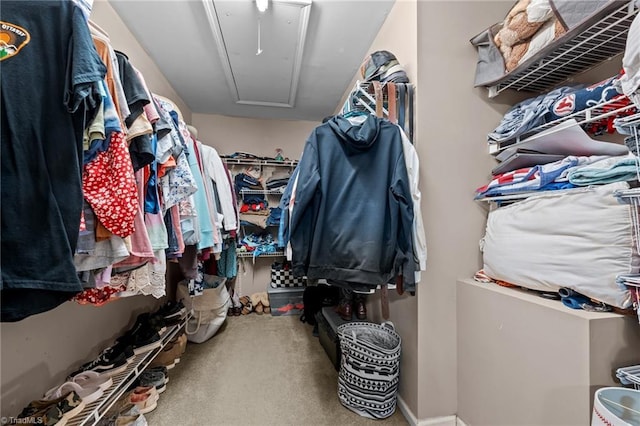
x=258, y=370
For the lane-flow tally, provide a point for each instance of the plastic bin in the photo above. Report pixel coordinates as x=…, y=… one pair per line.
x=615, y=406
x=286, y=301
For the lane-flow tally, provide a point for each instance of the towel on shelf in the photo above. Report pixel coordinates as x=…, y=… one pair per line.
x=608, y=170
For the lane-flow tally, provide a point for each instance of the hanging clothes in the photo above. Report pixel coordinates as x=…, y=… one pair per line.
x=353, y=214
x=49, y=76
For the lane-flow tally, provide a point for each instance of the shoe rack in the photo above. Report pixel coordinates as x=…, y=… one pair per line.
x=93, y=412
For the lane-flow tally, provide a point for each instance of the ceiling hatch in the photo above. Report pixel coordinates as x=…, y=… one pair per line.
x=261, y=52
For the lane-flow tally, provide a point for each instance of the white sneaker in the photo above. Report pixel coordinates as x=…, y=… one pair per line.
x=88, y=394
x=92, y=379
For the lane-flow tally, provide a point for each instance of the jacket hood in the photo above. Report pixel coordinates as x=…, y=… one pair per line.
x=356, y=137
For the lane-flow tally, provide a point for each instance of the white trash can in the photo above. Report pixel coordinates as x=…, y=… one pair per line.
x=615, y=406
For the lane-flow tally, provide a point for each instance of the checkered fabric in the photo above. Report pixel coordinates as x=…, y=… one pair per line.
x=285, y=278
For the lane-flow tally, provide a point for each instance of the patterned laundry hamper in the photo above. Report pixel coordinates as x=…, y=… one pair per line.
x=369, y=368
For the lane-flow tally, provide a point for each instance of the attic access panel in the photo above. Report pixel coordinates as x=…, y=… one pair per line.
x=261, y=53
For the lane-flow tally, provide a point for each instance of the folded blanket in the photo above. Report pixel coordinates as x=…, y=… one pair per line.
x=528, y=179
x=612, y=169
x=259, y=220
x=590, y=96
x=528, y=114
x=279, y=183
x=606, y=91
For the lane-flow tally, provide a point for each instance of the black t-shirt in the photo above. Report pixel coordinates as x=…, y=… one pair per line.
x=49, y=68
x=140, y=148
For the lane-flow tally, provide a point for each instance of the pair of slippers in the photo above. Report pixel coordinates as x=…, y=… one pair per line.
x=260, y=302
x=247, y=305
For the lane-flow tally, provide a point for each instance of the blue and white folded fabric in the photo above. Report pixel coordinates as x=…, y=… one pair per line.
x=528, y=114
x=532, y=179
x=590, y=96
x=608, y=170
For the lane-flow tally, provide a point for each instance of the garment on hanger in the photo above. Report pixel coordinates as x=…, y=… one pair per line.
x=112, y=78
x=353, y=210
x=49, y=73
x=144, y=184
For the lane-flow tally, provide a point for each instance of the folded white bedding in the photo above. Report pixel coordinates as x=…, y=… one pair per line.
x=581, y=239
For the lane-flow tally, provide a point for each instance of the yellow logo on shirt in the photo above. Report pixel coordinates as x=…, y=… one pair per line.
x=12, y=39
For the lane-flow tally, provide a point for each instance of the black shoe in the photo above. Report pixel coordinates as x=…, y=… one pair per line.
x=172, y=312
x=123, y=347
x=149, y=320
x=142, y=341
x=109, y=362
x=144, y=335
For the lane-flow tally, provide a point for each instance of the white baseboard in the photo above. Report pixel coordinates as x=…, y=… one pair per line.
x=459, y=422
x=406, y=412
x=436, y=421
x=439, y=421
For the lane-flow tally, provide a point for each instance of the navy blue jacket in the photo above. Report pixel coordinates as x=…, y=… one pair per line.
x=353, y=211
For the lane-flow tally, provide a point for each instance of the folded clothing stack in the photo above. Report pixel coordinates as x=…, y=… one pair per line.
x=278, y=180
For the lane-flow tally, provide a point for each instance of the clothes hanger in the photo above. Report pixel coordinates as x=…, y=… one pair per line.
x=173, y=105
x=354, y=113
x=93, y=27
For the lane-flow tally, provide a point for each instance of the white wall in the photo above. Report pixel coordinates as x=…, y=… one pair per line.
x=454, y=119
x=258, y=136
x=123, y=40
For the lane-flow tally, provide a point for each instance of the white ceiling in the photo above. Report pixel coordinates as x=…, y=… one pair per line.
x=214, y=68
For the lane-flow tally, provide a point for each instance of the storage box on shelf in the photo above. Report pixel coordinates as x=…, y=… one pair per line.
x=584, y=47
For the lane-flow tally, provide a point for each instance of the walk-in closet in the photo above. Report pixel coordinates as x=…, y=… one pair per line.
x=320, y=212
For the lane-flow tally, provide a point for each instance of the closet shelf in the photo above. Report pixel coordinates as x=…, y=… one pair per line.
x=262, y=191
x=245, y=254
x=629, y=376
x=95, y=411
x=588, y=115
x=601, y=41
x=259, y=162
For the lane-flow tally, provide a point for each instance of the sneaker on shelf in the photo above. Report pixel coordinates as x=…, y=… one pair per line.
x=52, y=412
x=153, y=378
x=145, y=334
x=109, y=362
x=145, y=341
x=168, y=357
x=151, y=320
x=145, y=398
x=135, y=419
x=182, y=342
x=125, y=347
x=160, y=369
x=172, y=312
x=92, y=379
x=87, y=394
